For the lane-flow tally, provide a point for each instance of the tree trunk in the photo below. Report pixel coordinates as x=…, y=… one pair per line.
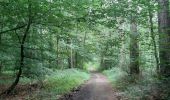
x=70, y=55
x=103, y=54
x=122, y=54
x=76, y=59
x=2, y=25
x=50, y=50
x=164, y=38
x=57, y=60
x=153, y=40
x=12, y=87
x=134, y=49
x=1, y=66
x=0, y=47
x=84, y=40
x=102, y=61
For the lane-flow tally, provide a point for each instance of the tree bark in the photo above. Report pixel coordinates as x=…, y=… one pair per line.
x=12, y=87
x=0, y=47
x=164, y=37
x=57, y=60
x=103, y=54
x=134, y=49
x=0, y=68
x=84, y=40
x=153, y=40
x=76, y=59
x=70, y=55
x=13, y=29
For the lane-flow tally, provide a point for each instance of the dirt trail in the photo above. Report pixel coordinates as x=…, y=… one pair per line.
x=97, y=88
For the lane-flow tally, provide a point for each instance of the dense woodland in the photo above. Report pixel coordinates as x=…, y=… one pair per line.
x=49, y=47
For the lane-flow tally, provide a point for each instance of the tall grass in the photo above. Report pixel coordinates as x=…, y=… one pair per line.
x=63, y=81
x=116, y=75
x=54, y=84
x=147, y=87
x=59, y=83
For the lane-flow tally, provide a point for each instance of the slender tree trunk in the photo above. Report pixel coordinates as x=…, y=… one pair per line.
x=12, y=87
x=50, y=50
x=84, y=45
x=0, y=68
x=57, y=60
x=76, y=59
x=85, y=36
x=102, y=61
x=164, y=38
x=9, y=90
x=0, y=47
x=2, y=26
x=122, y=52
x=153, y=40
x=103, y=54
x=134, y=49
x=70, y=55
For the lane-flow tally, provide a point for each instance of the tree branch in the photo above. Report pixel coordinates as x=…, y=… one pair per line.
x=13, y=29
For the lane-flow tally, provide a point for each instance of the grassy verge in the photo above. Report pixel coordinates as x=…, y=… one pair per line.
x=62, y=82
x=147, y=87
x=54, y=85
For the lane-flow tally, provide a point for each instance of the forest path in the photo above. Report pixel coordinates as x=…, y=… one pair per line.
x=97, y=88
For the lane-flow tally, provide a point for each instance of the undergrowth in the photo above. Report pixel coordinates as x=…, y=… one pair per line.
x=146, y=87
x=64, y=80
x=61, y=82
x=54, y=84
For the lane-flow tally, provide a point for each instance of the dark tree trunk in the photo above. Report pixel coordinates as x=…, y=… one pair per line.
x=2, y=25
x=57, y=60
x=153, y=40
x=50, y=50
x=76, y=59
x=1, y=66
x=70, y=55
x=12, y=87
x=9, y=90
x=134, y=49
x=0, y=47
x=164, y=39
x=69, y=62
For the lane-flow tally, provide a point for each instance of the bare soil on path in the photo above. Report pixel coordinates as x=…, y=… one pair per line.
x=97, y=88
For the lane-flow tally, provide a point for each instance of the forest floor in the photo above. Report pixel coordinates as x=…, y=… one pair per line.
x=97, y=88
x=51, y=87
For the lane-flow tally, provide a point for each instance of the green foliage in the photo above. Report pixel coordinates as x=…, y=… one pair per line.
x=146, y=87
x=38, y=73
x=55, y=84
x=116, y=75
x=63, y=81
x=7, y=77
x=59, y=83
x=84, y=34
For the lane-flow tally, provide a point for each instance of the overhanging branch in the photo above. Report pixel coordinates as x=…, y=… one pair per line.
x=13, y=29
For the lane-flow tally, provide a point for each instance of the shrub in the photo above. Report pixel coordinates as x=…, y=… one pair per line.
x=63, y=81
